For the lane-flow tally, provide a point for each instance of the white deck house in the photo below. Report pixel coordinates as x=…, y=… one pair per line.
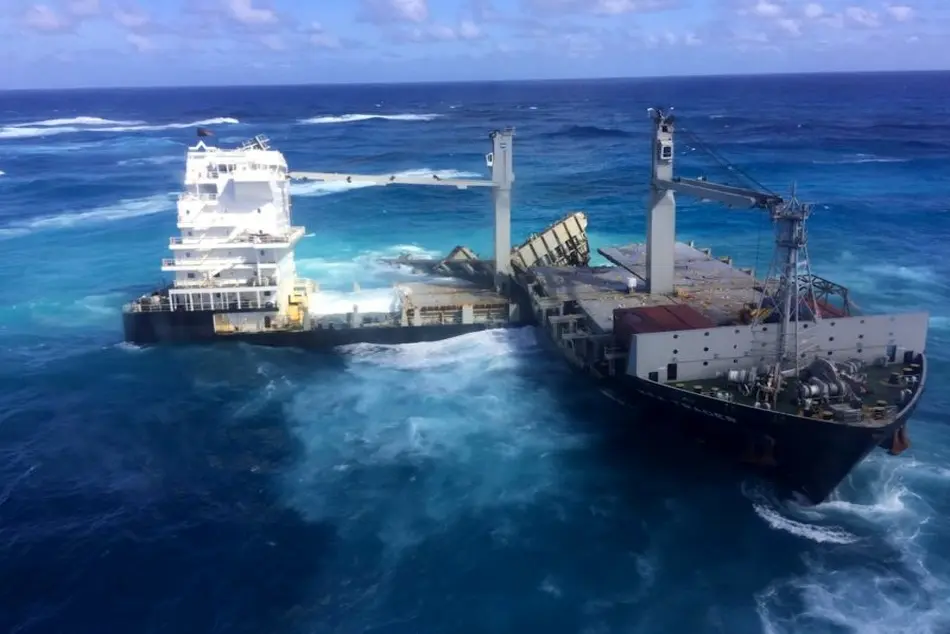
x=236, y=248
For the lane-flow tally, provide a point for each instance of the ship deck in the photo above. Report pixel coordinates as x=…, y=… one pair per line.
x=711, y=286
x=450, y=292
x=438, y=301
x=881, y=394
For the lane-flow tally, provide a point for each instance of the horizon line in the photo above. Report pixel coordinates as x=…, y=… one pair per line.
x=484, y=81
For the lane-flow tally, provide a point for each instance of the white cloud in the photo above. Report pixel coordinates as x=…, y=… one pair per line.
x=84, y=8
x=766, y=9
x=131, y=18
x=141, y=43
x=813, y=10
x=42, y=18
x=321, y=38
x=468, y=30
x=244, y=12
x=790, y=26
x=412, y=10
x=441, y=32
x=325, y=40
x=668, y=38
x=617, y=7
x=273, y=41
x=382, y=11
x=601, y=7
x=862, y=17
x=581, y=45
x=901, y=13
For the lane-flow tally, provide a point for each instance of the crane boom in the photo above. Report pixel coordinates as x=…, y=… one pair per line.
x=738, y=197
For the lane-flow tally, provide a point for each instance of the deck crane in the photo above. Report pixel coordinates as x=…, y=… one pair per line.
x=791, y=292
x=499, y=160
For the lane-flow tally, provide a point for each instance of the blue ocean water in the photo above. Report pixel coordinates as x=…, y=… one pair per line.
x=470, y=485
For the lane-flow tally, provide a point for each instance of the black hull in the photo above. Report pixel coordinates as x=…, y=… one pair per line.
x=799, y=455
x=197, y=327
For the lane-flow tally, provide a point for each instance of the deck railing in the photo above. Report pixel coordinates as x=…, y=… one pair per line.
x=147, y=305
x=227, y=262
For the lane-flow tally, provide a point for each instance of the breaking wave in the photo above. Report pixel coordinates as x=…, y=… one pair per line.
x=352, y=118
x=373, y=300
x=317, y=188
x=151, y=160
x=777, y=516
x=128, y=208
x=75, y=121
x=406, y=464
x=49, y=127
x=860, y=159
x=841, y=589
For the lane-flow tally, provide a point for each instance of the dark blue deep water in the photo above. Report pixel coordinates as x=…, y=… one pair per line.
x=473, y=485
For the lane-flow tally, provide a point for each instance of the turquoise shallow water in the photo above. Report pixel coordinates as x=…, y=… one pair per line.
x=466, y=485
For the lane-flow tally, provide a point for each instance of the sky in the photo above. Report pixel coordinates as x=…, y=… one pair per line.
x=80, y=43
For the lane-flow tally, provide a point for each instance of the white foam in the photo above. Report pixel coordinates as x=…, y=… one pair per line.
x=363, y=431
x=351, y=118
x=316, y=188
x=777, y=515
x=56, y=126
x=865, y=596
x=152, y=160
x=377, y=277
x=128, y=208
x=74, y=121
x=814, y=533
x=484, y=347
x=381, y=300
x=859, y=159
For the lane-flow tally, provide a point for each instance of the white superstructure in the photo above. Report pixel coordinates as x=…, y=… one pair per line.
x=236, y=248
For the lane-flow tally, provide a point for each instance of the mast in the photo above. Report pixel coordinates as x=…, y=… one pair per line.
x=661, y=213
x=794, y=296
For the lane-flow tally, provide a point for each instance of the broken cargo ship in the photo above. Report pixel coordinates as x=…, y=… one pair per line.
x=235, y=278
x=780, y=373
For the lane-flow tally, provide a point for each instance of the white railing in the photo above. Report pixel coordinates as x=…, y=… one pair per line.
x=238, y=239
x=193, y=196
x=146, y=305
x=212, y=172
x=206, y=262
x=264, y=238
x=228, y=283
